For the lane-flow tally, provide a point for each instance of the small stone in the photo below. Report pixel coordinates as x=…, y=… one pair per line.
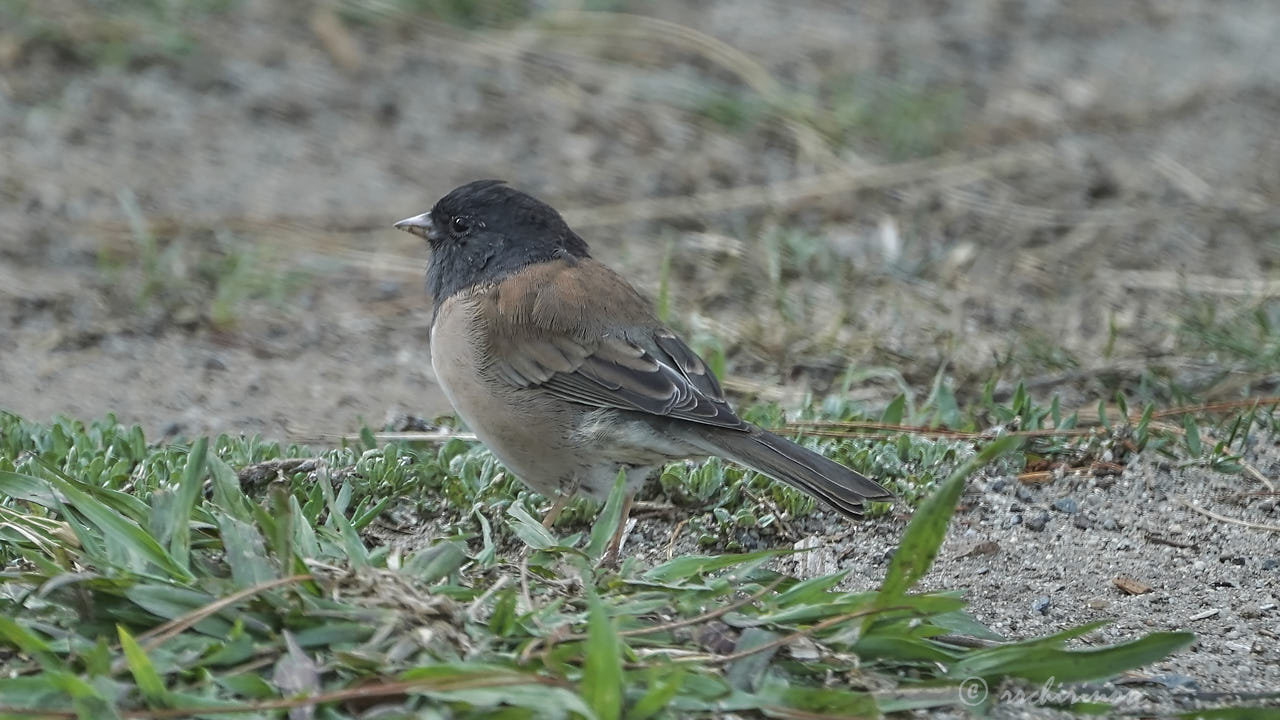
x=1024, y=494
x=1066, y=505
x=1082, y=521
x=1013, y=520
x=1041, y=605
x=1130, y=585
x=999, y=484
x=213, y=362
x=1109, y=523
x=1176, y=682
x=1098, y=603
x=1037, y=522
x=1271, y=563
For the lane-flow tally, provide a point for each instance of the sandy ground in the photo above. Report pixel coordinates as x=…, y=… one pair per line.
x=1035, y=560
x=1088, y=172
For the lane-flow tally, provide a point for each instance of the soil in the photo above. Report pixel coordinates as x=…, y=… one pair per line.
x=195, y=234
x=1035, y=560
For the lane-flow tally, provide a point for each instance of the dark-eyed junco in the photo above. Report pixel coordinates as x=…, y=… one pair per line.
x=564, y=371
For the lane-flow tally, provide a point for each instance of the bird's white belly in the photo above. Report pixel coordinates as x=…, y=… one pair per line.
x=522, y=438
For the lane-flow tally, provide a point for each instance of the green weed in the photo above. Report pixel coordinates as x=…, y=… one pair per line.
x=142, y=577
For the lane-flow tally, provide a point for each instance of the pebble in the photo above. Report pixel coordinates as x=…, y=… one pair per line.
x=1013, y=520
x=1066, y=505
x=999, y=485
x=1082, y=521
x=1024, y=494
x=1271, y=563
x=1037, y=522
x=1109, y=523
x=1041, y=605
x=1174, y=681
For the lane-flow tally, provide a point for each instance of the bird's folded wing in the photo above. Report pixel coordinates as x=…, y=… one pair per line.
x=613, y=372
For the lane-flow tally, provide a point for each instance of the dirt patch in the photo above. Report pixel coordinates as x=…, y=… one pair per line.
x=1126, y=145
x=1035, y=560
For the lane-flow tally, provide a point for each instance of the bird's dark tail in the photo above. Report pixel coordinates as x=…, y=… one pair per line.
x=779, y=458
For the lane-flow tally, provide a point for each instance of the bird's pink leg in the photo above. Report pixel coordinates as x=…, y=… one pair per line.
x=557, y=507
x=610, y=558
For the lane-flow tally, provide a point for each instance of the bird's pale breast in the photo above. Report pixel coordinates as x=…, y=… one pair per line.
x=527, y=431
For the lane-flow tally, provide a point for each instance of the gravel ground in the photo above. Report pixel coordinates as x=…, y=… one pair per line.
x=1036, y=560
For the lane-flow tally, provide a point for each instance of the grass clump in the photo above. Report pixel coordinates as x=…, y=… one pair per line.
x=192, y=278
x=144, y=579
x=113, y=33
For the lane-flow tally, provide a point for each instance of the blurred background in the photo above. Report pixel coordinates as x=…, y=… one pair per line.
x=829, y=199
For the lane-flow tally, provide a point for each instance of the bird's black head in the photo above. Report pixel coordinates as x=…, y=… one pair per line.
x=485, y=230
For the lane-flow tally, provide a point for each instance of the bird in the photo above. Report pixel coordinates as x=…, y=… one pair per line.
x=563, y=369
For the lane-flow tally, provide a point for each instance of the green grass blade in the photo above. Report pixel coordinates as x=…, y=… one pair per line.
x=1193, y=436
x=684, y=568
x=928, y=525
x=29, y=643
x=87, y=701
x=188, y=492
x=607, y=523
x=895, y=410
x=602, y=685
x=122, y=533
x=1038, y=663
x=144, y=673
x=20, y=486
x=245, y=551
x=168, y=602
x=746, y=673
x=30, y=693
x=351, y=541
x=436, y=562
x=661, y=690
x=529, y=530
x=227, y=493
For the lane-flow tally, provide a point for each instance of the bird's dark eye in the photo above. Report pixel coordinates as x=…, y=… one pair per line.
x=460, y=225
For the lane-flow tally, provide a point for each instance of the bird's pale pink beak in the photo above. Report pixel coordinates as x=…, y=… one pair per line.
x=419, y=225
